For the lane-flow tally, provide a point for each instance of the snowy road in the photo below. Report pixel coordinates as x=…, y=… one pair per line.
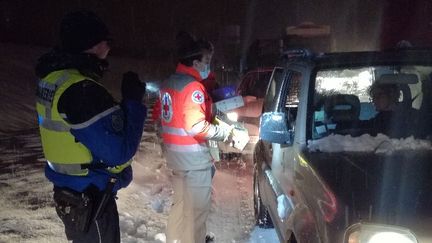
x=231, y=217
x=27, y=213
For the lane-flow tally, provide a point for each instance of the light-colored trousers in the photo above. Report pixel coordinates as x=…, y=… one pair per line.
x=191, y=206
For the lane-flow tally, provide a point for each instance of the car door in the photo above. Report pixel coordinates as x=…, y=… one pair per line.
x=283, y=155
x=282, y=96
x=270, y=104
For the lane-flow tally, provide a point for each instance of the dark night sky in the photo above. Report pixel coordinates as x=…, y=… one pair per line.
x=146, y=28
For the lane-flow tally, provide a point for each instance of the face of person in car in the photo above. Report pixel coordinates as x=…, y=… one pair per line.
x=384, y=98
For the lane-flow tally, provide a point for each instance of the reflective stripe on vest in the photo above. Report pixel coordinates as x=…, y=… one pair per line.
x=179, y=136
x=95, y=118
x=202, y=147
x=78, y=170
x=58, y=143
x=184, y=151
x=119, y=168
x=63, y=153
x=73, y=169
x=175, y=131
x=172, y=129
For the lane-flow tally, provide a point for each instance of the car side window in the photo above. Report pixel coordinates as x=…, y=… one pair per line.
x=255, y=84
x=271, y=98
x=292, y=99
x=261, y=84
x=243, y=89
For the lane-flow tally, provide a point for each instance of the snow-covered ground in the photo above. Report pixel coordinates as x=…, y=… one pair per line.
x=27, y=213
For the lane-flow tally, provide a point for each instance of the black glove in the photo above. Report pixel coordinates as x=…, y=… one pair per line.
x=132, y=88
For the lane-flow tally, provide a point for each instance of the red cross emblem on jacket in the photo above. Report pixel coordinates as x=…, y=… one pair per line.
x=166, y=107
x=198, y=97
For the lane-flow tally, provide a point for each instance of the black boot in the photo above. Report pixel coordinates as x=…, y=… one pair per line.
x=209, y=238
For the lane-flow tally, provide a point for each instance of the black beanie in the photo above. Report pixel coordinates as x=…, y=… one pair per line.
x=187, y=46
x=81, y=30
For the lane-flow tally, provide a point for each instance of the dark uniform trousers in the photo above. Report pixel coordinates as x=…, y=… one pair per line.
x=77, y=211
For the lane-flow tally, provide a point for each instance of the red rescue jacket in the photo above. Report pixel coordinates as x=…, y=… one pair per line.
x=186, y=120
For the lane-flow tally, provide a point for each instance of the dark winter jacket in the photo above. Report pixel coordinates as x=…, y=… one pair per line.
x=395, y=124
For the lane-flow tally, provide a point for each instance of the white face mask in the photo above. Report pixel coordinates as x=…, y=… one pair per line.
x=204, y=74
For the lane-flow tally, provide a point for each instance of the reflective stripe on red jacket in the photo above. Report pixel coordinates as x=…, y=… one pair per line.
x=185, y=116
x=209, y=83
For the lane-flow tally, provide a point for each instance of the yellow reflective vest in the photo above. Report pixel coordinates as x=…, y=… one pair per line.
x=63, y=153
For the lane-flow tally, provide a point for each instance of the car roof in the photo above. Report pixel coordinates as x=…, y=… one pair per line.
x=411, y=56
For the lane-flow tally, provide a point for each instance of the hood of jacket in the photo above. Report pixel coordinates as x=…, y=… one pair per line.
x=87, y=64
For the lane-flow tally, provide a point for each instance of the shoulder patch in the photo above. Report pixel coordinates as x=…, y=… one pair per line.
x=198, y=97
x=117, y=122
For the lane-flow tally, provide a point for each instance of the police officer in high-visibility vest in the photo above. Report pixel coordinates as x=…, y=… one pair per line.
x=186, y=126
x=88, y=138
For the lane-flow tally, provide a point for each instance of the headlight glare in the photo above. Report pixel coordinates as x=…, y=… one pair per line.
x=390, y=237
x=232, y=116
x=377, y=233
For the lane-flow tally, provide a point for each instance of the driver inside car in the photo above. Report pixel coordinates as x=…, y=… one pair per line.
x=392, y=118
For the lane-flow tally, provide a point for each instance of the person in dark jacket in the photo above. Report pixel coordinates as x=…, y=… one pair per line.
x=392, y=118
x=88, y=138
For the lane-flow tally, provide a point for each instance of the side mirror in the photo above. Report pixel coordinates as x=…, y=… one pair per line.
x=274, y=128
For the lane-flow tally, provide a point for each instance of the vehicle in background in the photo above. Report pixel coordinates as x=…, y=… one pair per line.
x=252, y=88
x=320, y=175
x=267, y=52
x=253, y=84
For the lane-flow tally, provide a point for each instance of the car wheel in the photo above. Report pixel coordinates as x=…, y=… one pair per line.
x=262, y=217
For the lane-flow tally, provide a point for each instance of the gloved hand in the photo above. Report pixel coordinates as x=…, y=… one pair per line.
x=240, y=138
x=132, y=88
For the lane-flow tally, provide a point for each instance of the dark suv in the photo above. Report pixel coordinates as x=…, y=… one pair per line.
x=323, y=172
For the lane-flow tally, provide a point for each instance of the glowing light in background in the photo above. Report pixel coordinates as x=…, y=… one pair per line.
x=390, y=237
x=232, y=116
x=152, y=86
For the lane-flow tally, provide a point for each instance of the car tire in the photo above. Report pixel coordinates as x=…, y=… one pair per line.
x=262, y=217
